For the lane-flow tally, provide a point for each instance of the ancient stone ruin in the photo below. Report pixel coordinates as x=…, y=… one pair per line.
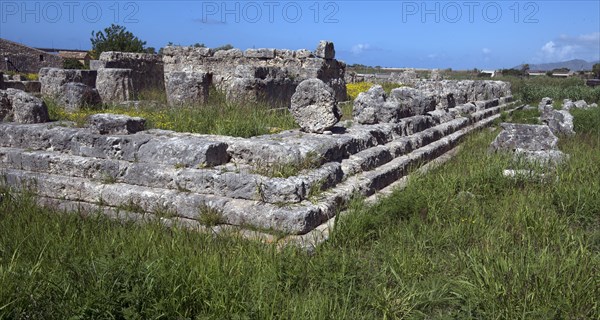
x=19, y=82
x=537, y=145
x=314, y=106
x=146, y=72
x=185, y=74
x=122, y=77
x=255, y=74
x=61, y=84
x=21, y=107
x=530, y=144
x=114, y=167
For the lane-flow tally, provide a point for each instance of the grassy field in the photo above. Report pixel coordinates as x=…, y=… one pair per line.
x=460, y=242
x=532, y=90
x=217, y=116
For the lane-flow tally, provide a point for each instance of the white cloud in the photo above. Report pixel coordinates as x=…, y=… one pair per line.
x=486, y=51
x=360, y=48
x=585, y=46
x=584, y=39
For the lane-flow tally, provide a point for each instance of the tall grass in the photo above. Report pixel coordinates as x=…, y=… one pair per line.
x=459, y=242
x=217, y=116
x=533, y=89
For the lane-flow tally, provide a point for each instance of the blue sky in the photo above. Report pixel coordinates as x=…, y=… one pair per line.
x=420, y=34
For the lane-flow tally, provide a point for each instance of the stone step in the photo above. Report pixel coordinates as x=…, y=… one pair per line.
x=140, y=147
x=368, y=182
x=160, y=186
x=202, y=181
x=206, y=181
x=293, y=219
x=209, y=181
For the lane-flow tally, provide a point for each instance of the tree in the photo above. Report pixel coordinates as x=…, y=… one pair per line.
x=115, y=38
x=596, y=70
x=72, y=64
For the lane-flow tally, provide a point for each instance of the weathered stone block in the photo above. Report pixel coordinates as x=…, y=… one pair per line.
x=147, y=70
x=187, y=88
x=285, y=54
x=314, y=106
x=52, y=79
x=370, y=106
x=73, y=96
x=325, y=50
x=229, y=54
x=581, y=104
x=412, y=102
x=260, y=53
x=6, y=110
x=185, y=151
x=115, y=85
x=106, y=123
x=303, y=54
x=21, y=107
x=560, y=122
x=435, y=75
x=525, y=136
x=258, y=74
x=545, y=105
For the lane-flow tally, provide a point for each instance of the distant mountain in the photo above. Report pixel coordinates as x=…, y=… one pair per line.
x=573, y=65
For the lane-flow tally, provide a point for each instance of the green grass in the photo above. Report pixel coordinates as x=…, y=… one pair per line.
x=532, y=90
x=215, y=117
x=460, y=242
x=531, y=116
x=285, y=170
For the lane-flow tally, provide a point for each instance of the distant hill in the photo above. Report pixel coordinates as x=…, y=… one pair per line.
x=573, y=65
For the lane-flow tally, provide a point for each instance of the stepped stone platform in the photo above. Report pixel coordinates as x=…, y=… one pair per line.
x=291, y=182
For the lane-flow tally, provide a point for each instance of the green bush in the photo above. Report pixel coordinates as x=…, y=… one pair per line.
x=72, y=64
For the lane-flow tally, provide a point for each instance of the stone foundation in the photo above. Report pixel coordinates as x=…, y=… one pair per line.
x=184, y=177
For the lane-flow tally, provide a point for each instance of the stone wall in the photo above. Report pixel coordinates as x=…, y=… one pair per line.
x=25, y=59
x=52, y=79
x=147, y=72
x=270, y=74
x=191, y=175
